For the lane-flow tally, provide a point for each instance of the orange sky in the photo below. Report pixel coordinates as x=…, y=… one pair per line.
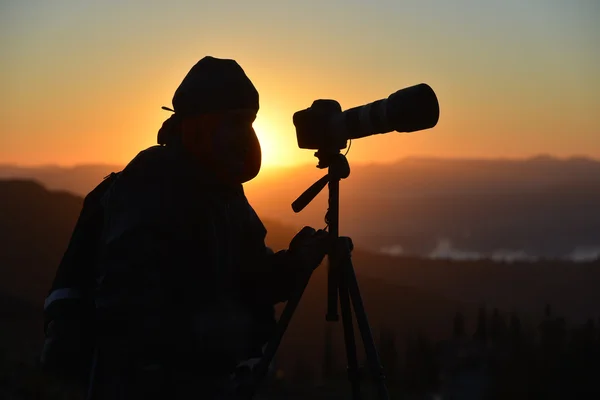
x=83, y=82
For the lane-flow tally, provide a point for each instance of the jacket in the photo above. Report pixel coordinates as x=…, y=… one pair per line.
x=185, y=281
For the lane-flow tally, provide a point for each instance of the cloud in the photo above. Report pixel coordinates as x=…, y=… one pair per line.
x=445, y=250
x=585, y=253
x=393, y=250
x=505, y=255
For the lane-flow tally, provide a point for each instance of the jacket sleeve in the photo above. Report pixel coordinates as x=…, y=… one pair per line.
x=270, y=277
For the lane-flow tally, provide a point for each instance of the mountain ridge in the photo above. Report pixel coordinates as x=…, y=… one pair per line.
x=536, y=207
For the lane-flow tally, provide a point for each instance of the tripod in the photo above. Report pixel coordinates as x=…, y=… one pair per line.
x=342, y=283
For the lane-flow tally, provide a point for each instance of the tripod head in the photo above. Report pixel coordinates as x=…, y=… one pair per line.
x=338, y=168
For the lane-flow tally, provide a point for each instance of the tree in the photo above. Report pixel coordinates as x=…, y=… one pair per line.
x=388, y=353
x=516, y=333
x=458, y=330
x=481, y=330
x=497, y=327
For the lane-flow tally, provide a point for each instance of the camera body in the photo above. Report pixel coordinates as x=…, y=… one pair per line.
x=313, y=126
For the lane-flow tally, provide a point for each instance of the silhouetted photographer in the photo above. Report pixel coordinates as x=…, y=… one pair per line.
x=167, y=284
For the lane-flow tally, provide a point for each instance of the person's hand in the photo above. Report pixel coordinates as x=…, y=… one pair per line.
x=309, y=247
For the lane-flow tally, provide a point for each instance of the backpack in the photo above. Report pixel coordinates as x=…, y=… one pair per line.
x=69, y=309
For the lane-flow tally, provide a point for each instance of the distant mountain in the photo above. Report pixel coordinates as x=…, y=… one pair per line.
x=78, y=180
x=443, y=208
x=540, y=207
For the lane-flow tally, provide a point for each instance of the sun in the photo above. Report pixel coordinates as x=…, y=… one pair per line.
x=277, y=143
x=264, y=132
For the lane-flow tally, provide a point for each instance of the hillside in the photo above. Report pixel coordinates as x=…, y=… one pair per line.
x=37, y=223
x=35, y=227
x=571, y=288
x=402, y=295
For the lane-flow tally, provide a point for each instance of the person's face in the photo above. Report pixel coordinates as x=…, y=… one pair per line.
x=226, y=140
x=232, y=131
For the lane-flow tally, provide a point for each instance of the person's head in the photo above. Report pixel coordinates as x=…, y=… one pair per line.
x=215, y=106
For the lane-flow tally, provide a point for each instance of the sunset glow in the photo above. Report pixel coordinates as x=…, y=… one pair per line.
x=276, y=150
x=83, y=82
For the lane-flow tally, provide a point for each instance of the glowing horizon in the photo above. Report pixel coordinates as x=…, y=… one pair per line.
x=83, y=83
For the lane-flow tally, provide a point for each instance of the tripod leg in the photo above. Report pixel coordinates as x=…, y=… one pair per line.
x=349, y=339
x=247, y=389
x=361, y=318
